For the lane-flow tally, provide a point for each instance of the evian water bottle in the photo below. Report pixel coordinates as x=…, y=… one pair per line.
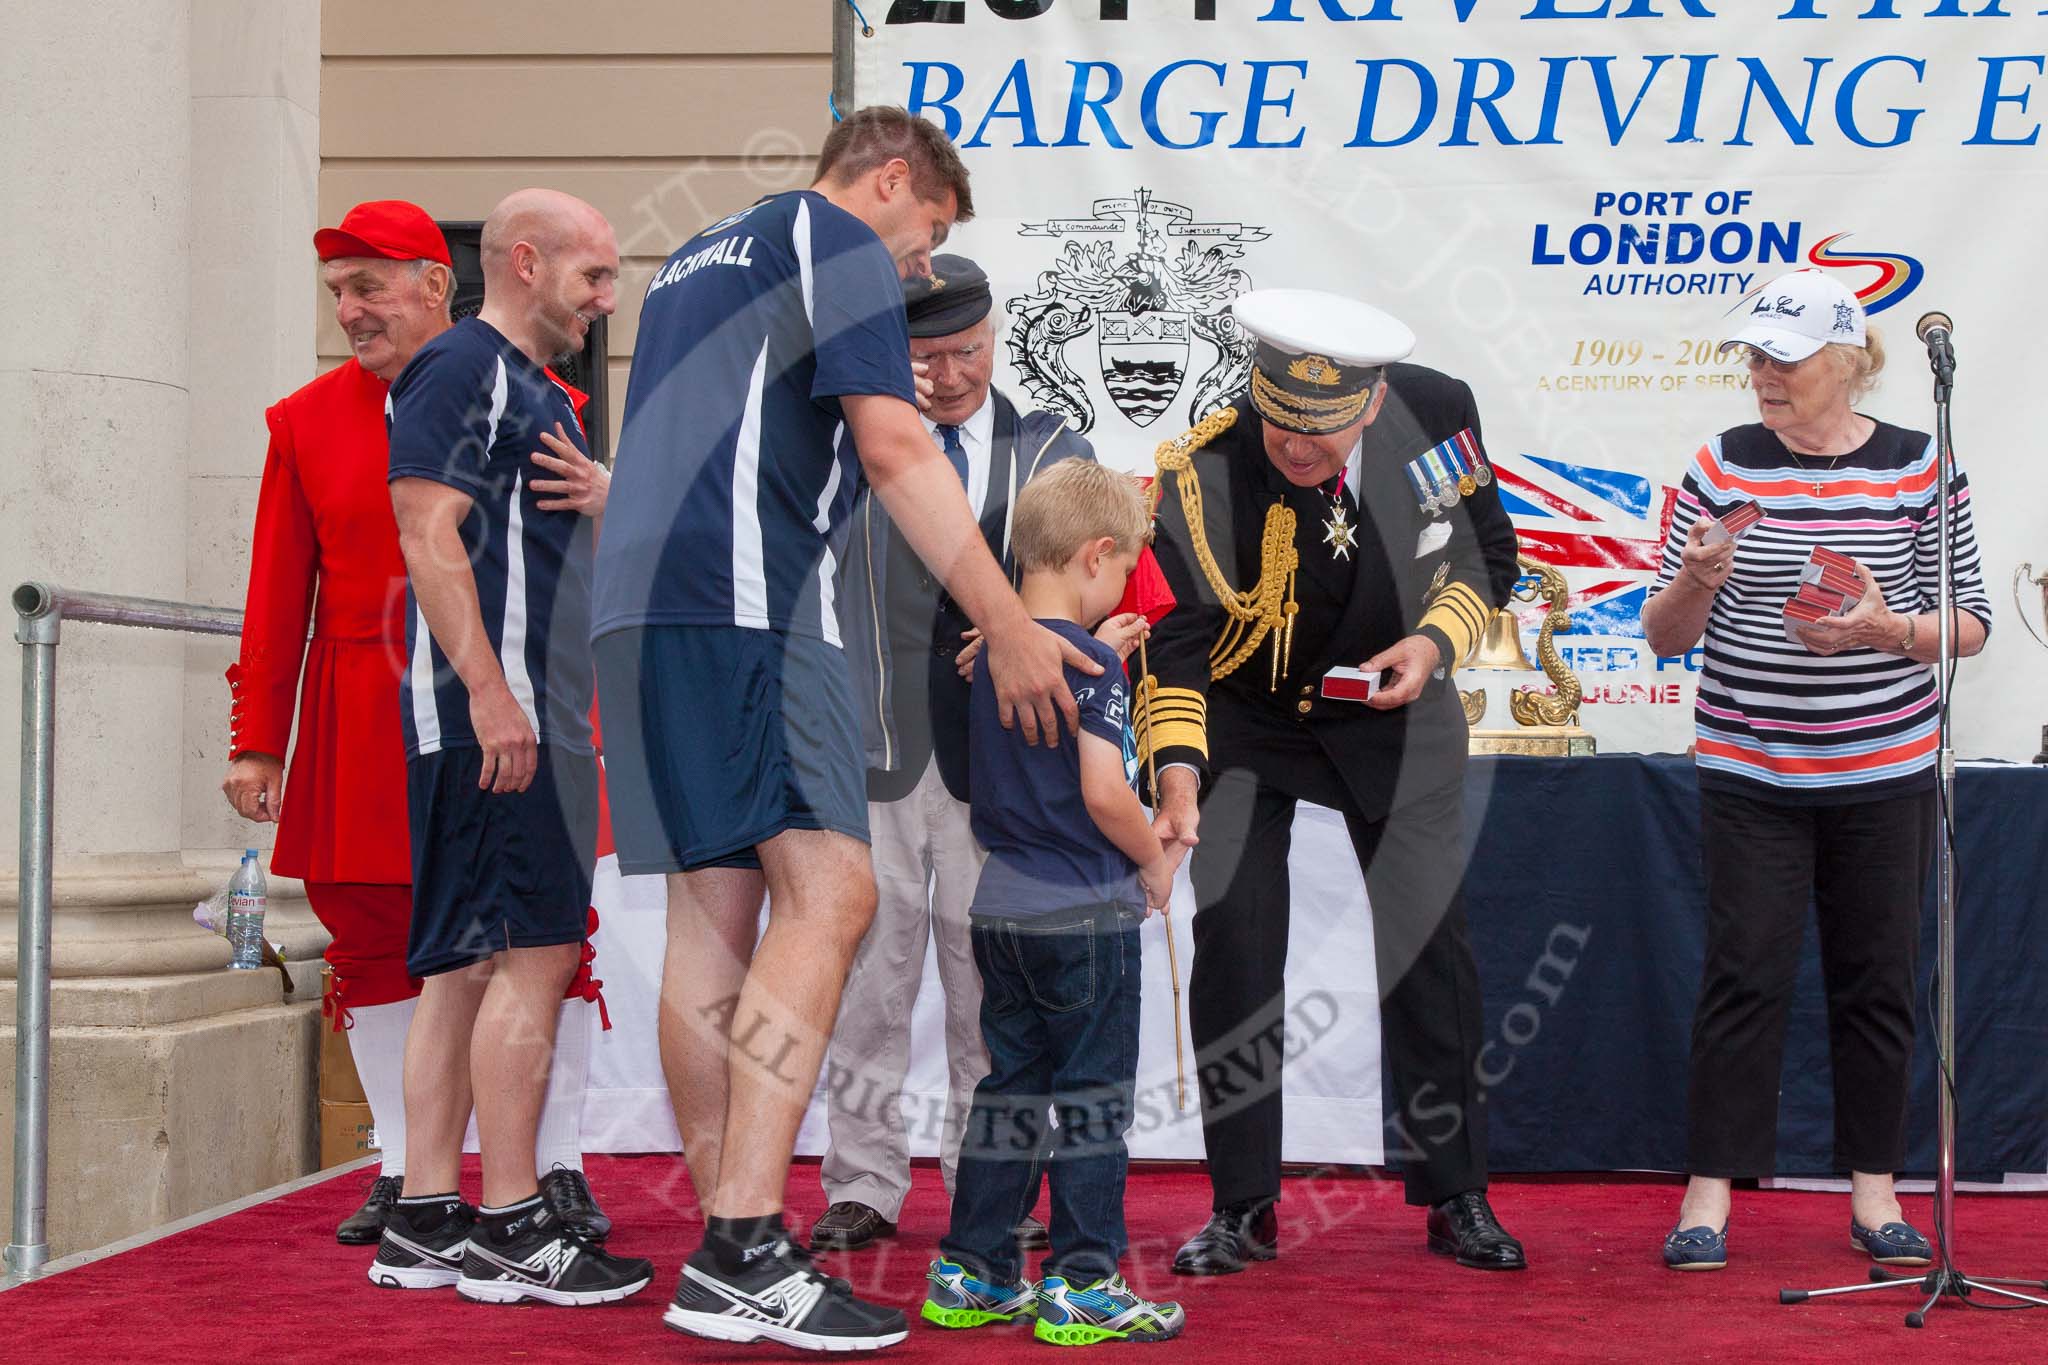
x=247, y=899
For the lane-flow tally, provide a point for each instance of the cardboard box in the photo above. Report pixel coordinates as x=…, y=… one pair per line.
x=1799, y=612
x=1348, y=684
x=1736, y=524
x=345, y=1133
x=338, y=1080
x=1843, y=581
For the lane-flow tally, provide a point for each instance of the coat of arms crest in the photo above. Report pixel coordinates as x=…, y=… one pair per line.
x=1152, y=284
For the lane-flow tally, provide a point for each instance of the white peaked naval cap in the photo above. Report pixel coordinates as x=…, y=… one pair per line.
x=1795, y=315
x=1317, y=356
x=1314, y=322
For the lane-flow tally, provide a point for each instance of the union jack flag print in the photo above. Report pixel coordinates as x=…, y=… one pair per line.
x=1604, y=528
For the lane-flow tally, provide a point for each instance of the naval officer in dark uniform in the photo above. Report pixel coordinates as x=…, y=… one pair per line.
x=1339, y=514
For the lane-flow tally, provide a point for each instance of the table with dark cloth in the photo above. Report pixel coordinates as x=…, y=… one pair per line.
x=1588, y=917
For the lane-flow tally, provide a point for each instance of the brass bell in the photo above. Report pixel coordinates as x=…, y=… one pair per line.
x=1501, y=646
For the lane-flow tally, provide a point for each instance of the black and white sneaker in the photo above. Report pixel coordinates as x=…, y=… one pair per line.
x=408, y=1258
x=543, y=1260
x=779, y=1297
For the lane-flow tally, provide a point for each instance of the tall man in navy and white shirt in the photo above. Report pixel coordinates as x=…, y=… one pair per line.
x=731, y=739
x=500, y=773
x=905, y=639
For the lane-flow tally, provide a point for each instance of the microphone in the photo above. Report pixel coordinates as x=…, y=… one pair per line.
x=1934, y=331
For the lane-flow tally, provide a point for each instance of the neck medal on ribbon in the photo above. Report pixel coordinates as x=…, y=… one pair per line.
x=1338, y=533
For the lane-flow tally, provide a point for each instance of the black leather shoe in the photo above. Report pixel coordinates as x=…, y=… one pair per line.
x=568, y=1195
x=848, y=1226
x=1232, y=1237
x=366, y=1225
x=1464, y=1226
x=1032, y=1236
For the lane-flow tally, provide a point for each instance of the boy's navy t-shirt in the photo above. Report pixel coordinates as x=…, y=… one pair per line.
x=1044, y=852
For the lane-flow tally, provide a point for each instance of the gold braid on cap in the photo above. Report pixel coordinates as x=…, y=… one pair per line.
x=1268, y=606
x=1298, y=413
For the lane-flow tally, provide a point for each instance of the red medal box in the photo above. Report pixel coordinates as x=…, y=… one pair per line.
x=1831, y=601
x=1735, y=524
x=1820, y=554
x=1799, y=612
x=1847, y=582
x=1349, y=684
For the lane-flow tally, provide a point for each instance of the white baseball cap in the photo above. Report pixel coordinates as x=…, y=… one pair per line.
x=1795, y=315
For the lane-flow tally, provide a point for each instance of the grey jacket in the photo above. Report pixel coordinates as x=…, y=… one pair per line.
x=898, y=742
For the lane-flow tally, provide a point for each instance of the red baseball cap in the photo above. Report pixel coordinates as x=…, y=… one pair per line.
x=390, y=229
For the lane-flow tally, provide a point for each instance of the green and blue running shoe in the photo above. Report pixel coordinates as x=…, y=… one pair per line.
x=1107, y=1310
x=958, y=1299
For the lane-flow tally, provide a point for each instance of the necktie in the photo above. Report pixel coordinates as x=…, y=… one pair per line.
x=956, y=454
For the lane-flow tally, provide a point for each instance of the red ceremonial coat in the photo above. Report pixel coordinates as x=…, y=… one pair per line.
x=325, y=550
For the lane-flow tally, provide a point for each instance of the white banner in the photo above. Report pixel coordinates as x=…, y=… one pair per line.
x=1331, y=1080
x=1561, y=197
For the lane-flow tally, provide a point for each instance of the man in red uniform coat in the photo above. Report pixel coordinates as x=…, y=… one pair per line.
x=325, y=548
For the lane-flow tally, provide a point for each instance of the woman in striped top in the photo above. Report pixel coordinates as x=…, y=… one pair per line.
x=1816, y=749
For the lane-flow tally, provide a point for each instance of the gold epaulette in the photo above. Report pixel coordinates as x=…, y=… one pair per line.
x=1268, y=606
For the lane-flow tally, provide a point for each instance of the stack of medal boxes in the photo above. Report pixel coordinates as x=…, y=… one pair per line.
x=1828, y=586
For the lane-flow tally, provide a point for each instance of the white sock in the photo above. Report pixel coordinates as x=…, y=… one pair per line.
x=560, y=1139
x=377, y=1042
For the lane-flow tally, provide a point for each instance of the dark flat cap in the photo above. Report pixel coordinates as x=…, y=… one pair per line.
x=951, y=299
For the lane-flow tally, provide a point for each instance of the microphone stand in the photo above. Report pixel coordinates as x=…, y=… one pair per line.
x=1942, y=1280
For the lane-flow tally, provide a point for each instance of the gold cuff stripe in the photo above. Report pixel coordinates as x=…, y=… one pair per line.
x=1453, y=590
x=1461, y=636
x=1460, y=597
x=1455, y=622
x=1178, y=696
x=1289, y=409
x=1460, y=614
x=1470, y=611
x=1172, y=717
x=1177, y=734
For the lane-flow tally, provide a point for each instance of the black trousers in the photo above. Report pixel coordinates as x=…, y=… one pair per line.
x=1428, y=984
x=1864, y=868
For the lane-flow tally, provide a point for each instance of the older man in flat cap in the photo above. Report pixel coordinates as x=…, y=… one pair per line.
x=1356, y=546
x=913, y=702
x=325, y=552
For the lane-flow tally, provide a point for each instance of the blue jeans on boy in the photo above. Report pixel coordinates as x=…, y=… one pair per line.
x=1059, y=1012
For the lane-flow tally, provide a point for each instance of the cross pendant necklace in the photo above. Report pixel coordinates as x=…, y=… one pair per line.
x=1815, y=483
x=1801, y=457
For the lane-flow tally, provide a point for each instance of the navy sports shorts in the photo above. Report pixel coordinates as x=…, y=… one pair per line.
x=498, y=870
x=719, y=738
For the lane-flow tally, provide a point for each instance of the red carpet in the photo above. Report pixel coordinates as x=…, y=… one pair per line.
x=1353, y=1283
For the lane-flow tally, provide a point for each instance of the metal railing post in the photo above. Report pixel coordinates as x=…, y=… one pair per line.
x=38, y=627
x=41, y=609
